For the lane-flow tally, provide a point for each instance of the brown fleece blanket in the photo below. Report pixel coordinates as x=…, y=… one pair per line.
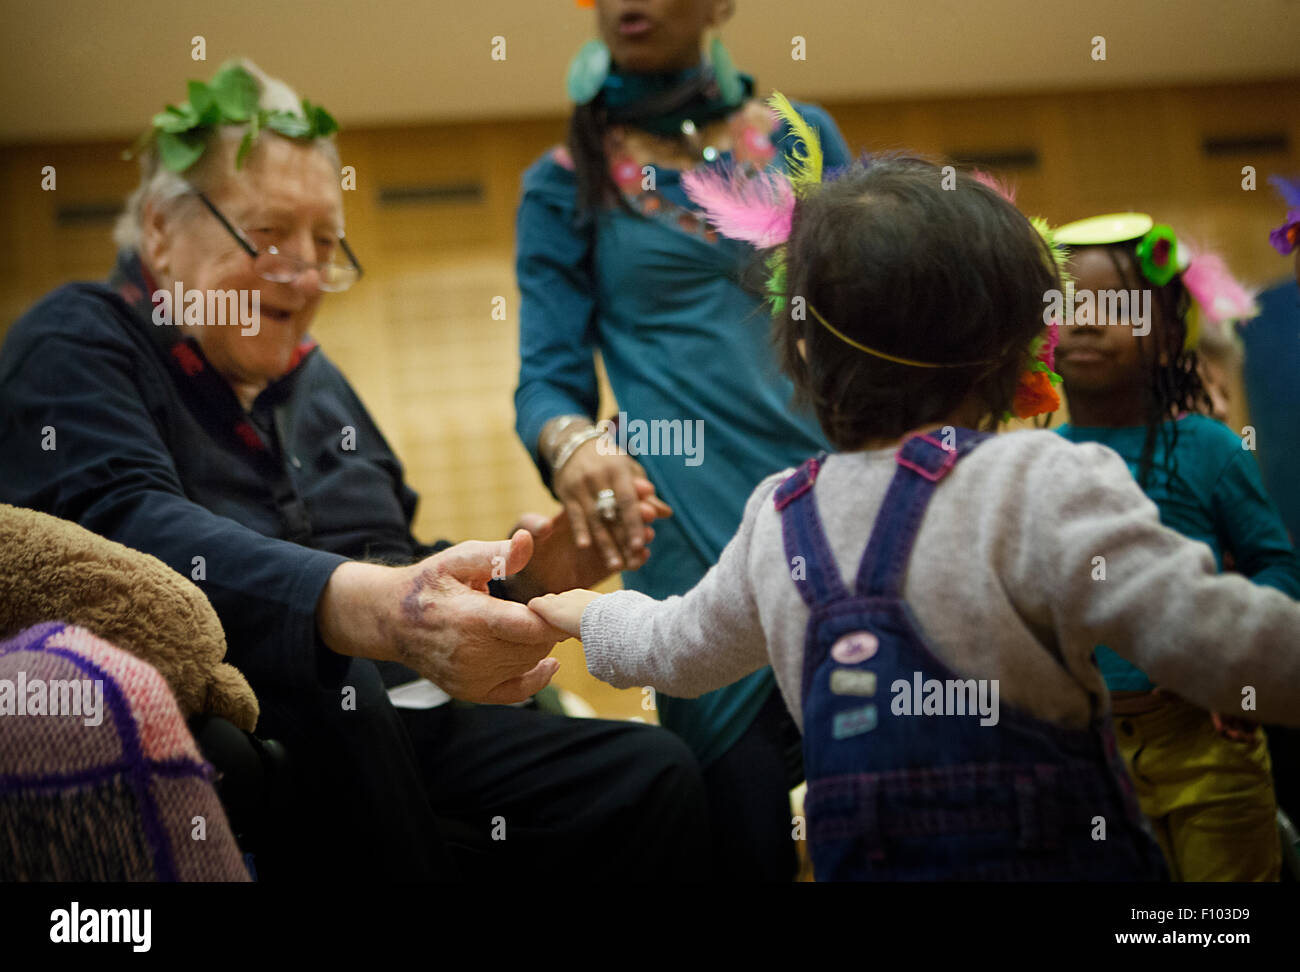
x=55, y=570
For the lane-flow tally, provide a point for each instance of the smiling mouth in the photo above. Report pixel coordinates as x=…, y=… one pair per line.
x=1082, y=355
x=634, y=25
x=274, y=314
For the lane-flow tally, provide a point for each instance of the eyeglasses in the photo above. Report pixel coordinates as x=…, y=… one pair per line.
x=336, y=275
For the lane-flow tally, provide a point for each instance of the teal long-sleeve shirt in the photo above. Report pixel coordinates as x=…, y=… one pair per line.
x=683, y=339
x=1215, y=495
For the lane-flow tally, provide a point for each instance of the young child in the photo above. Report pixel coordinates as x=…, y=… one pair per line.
x=955, y=724
x=1284, y=742
x=1204, y=781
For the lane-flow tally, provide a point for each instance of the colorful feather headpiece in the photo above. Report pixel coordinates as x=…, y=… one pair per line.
x=1161, y=256
x=1286, y=237
x=759, y=209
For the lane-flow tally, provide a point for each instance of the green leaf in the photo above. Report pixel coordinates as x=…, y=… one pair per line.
x=250, y=136
x=235, y=92
x=324, y=122
x=176, y=119
x=288, y=124
x=180, y=151
x=203, y=103
x=321, y=122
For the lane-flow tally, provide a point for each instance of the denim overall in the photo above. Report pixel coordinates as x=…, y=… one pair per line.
x=919, y=797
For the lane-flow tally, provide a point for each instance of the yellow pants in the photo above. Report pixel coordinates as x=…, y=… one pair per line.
x=1209, y=799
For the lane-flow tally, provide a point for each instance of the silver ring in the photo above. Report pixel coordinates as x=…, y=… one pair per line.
x=607, y=505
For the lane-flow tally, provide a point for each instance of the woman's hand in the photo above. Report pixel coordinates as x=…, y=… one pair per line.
x=564, y=611
x=620, y=538
x=559, y=564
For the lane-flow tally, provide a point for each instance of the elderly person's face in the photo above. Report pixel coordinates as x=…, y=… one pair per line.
x=286, y=195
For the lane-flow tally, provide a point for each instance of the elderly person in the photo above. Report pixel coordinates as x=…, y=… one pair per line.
x=238, y=454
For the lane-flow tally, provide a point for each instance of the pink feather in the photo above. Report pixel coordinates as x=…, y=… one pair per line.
x=1003, y=189
x=1220, y=297
x=757, y=209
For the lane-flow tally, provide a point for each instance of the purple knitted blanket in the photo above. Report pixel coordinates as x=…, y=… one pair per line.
x=100, y=779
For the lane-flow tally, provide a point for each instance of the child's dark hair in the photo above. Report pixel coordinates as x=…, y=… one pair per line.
x=895, y=261
x=1174, y=382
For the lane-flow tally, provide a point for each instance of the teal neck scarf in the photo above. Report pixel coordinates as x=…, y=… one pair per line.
x=661, y=101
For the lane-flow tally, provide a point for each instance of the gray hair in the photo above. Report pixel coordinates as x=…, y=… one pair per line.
x=163, y=187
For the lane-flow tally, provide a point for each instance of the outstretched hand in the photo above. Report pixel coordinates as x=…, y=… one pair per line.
x=564, y=611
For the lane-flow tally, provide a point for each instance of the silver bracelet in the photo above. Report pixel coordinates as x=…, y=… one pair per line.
x=571, y=444
x=553, y=432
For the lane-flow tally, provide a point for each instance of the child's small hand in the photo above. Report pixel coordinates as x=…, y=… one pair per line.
x=564, y=611
x=1234, y=727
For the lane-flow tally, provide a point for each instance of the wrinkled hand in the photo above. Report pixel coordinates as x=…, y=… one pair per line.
x=564, y=611
x=437, y=618
x=560, y=563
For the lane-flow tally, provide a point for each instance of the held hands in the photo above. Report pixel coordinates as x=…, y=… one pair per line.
x=617, y=531
x=437, y=617
x=562, y=562
x=564, y=611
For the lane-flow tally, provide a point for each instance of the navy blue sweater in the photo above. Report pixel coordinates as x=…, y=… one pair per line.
x=120, y=425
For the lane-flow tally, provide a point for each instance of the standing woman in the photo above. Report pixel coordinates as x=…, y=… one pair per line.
x=613, y=258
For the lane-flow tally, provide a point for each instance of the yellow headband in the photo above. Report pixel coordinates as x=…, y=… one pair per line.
x=894, y=358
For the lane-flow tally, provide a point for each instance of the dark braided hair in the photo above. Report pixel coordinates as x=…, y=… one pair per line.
x=1174, y=381
x=596, y=186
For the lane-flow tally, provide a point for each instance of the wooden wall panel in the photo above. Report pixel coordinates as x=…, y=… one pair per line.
x=417, y=336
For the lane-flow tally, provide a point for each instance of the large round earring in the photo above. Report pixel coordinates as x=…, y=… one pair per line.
x=587, y=72
x=724, y=72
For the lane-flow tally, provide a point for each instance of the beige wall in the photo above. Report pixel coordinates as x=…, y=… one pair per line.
x=417, y=336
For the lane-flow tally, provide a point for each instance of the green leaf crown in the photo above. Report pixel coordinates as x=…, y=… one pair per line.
x=181, y=132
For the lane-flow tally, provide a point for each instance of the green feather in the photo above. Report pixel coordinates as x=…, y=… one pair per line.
x=1059, y=253
x=776, y=280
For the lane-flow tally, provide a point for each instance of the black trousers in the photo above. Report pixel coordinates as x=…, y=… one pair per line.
x=1284, y=749
x=748, y=789
x=475, y=793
